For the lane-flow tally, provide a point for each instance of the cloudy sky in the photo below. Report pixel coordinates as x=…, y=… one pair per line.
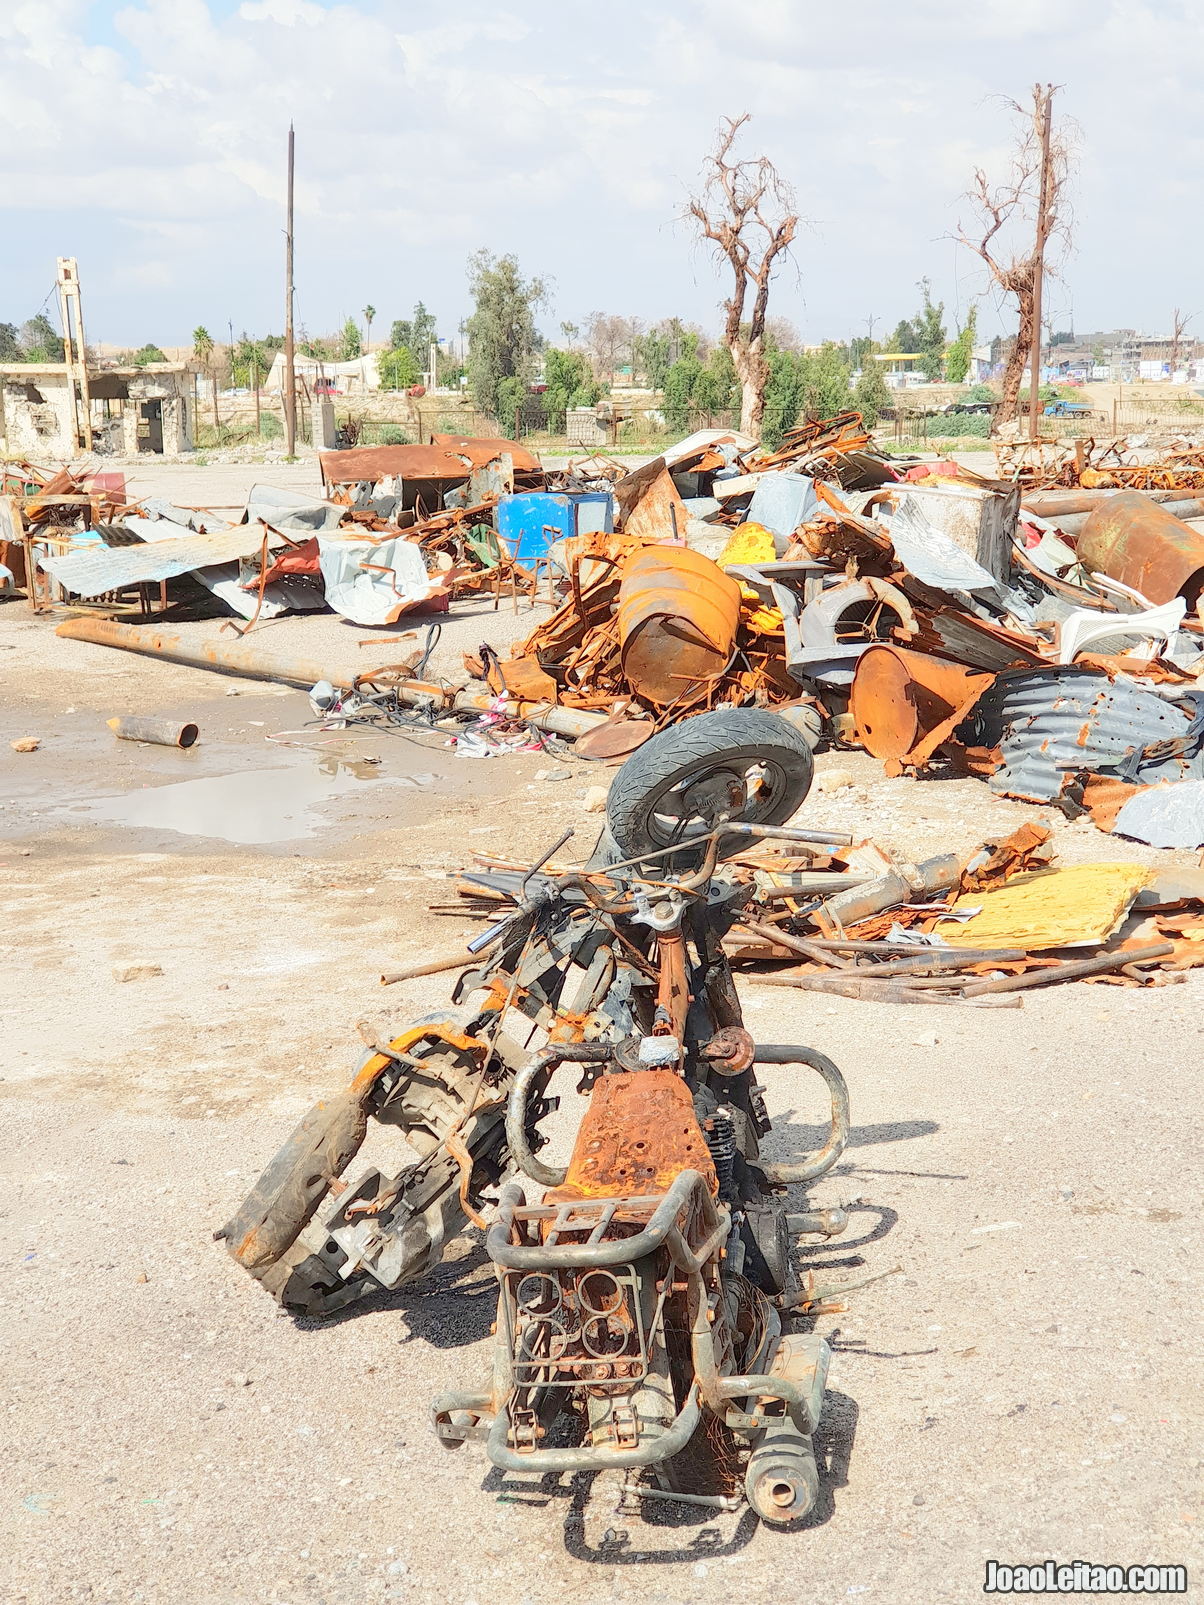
x=148, y=140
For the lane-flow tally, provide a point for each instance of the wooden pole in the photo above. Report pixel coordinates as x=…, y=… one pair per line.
x=290, y=371
x=1045, y=111
x=255, y=387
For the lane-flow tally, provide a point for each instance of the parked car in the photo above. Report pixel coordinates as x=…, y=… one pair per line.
x=1067, y=409
x=969, y=407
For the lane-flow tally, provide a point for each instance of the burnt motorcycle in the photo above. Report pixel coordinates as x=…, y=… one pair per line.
x=646, y=1295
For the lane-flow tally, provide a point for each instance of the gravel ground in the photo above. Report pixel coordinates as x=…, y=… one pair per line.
x=1027, y=1385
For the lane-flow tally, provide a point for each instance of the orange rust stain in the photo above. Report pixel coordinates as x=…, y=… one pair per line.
x=639, y=1132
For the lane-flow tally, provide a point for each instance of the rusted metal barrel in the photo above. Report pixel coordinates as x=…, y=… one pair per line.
x=162, y=732
x=1132, y=539
x=678, y=613
x=904, y=704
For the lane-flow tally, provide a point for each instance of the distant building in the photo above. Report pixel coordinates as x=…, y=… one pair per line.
x=48, y=412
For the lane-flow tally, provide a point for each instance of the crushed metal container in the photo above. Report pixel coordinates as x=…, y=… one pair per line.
x=678, y=613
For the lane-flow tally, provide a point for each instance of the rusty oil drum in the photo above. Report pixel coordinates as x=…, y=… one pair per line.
x=678, y=613
x=901, y=700
x=1134, y=540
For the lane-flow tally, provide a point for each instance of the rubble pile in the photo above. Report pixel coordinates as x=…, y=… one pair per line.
x=1042, y=631
x=958, y=928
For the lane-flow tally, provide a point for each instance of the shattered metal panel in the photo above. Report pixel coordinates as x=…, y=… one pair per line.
x=1052, y=723
x=100, y=569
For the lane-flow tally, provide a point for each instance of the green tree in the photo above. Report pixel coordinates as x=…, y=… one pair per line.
x=905, y=339
x=929, y=327
x=654, y=356
x=10, y=349
x=570, y=382
x=397, y=368
x=783, y=396
x=416, y=333
x=251, y=360
x=871, y=396
x=350, y=344
x=825, y=377
x=678, y=390
x=147, y=354
x=369, y=314
x=716, y=387
x=957, y=358
x=503, y=340
x=39, y=342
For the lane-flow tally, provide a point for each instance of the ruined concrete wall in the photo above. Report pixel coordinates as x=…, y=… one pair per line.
x=38, y=429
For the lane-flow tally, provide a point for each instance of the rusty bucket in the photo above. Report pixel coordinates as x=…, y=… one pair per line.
x=904, y=704
x=1134, y=540
x=678, y=613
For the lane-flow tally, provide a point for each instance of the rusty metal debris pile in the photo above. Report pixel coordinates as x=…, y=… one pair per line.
x=1042, y=631
x=1045, y=636
x=856, y=922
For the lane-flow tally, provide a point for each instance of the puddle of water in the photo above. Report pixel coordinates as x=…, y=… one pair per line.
x=251, y=807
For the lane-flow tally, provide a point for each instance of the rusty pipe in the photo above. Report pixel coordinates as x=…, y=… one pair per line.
x=160, y=732
x=448, y=958
x=232, y=657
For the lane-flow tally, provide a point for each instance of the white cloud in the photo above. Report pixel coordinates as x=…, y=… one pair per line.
x=154, y=150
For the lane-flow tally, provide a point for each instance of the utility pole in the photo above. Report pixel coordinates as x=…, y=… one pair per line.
x=1044, y=103
x=290, y=371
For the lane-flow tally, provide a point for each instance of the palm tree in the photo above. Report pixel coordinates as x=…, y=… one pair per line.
x=202, y=350
x=369, y=314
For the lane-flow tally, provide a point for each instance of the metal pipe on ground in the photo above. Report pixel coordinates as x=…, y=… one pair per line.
x=232, y=657
x=160, y=732
x=863, y=986
x=1074, y=971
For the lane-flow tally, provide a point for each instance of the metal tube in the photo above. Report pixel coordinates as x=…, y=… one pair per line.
x=161, y=732
x=229, y=657
x=452, y=958
x=687, y=1184
x=1073, y=971
x=516, y=1105
x=818, y=1163
x=649, y=1452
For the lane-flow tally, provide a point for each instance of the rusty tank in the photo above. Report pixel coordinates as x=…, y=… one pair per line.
x=678, y=613
x=1134, y=540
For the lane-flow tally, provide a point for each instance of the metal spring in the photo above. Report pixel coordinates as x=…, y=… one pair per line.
x=721, y=1140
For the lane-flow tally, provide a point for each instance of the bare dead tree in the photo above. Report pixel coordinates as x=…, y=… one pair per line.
x=1034, y=193
x=747, y=210
x=1180, y=329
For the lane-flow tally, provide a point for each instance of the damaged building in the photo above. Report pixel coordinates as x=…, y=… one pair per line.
x=54, y=410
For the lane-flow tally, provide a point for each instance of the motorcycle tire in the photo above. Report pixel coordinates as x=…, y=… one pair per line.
x=690, y=776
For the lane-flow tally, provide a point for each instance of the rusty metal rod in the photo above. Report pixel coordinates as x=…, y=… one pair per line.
x=795, y=944
x=1074, y=971
x=450, y=958
x=231, y=657
x=937, y=960
x=861, y=986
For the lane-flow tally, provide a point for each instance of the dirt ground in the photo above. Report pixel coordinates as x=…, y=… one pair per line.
x=1027, y=1386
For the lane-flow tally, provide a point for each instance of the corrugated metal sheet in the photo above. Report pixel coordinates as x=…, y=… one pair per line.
x=453, y=459
x=1050, y=724
x=99, y=569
